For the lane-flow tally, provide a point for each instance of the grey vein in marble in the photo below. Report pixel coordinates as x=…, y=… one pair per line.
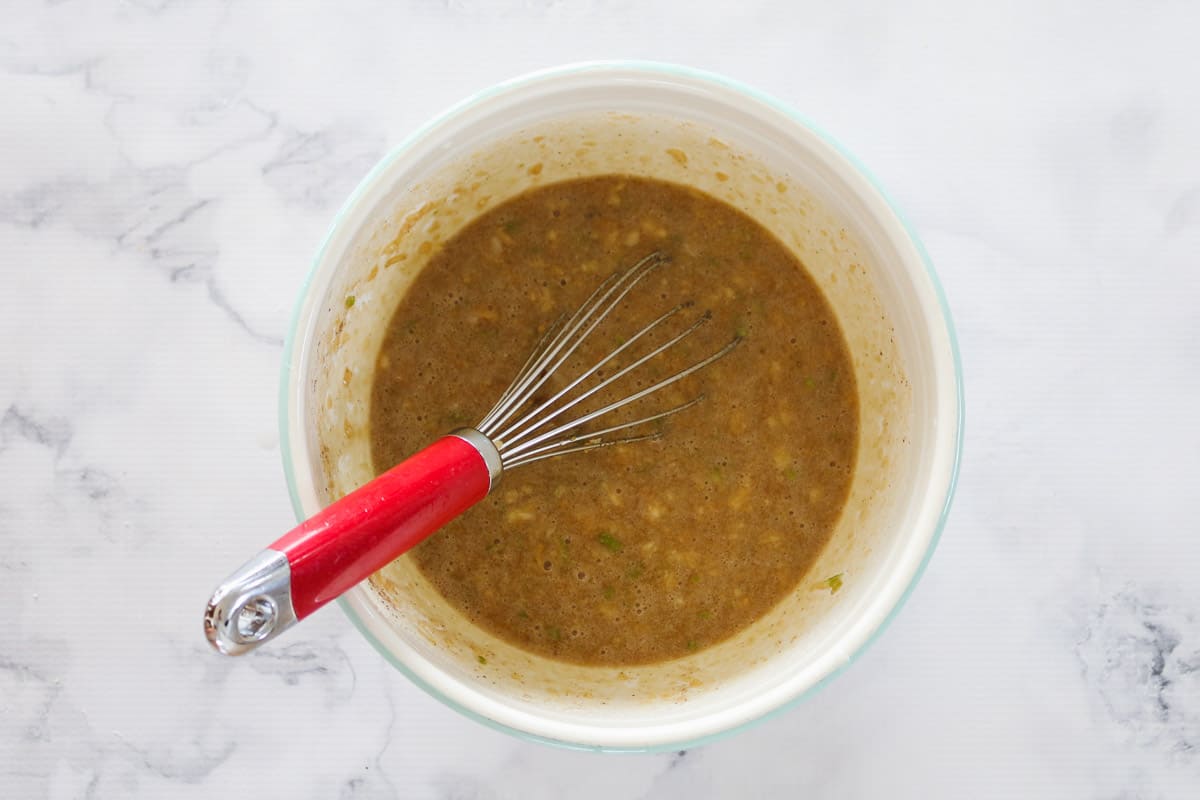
x=1142, y=660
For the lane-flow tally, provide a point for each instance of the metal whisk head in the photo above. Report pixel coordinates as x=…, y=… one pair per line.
x=546, y=429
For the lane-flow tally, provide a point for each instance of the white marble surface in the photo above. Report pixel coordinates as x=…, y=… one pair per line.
x=166, y=172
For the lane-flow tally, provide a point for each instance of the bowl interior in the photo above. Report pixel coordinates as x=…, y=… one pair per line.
x=743, y=151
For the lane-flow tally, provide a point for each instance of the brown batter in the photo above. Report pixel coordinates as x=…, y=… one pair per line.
x=643, y=552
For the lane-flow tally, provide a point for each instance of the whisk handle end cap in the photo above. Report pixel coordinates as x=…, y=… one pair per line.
x=252, y=606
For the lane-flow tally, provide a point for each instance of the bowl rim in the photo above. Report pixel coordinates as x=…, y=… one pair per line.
x=648, y=69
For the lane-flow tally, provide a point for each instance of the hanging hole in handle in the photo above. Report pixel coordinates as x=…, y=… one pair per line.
x=255, y=619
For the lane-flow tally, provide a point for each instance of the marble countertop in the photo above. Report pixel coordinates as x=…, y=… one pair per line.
x=167, y=169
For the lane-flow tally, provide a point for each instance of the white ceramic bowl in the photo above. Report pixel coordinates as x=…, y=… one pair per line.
x=756, y=154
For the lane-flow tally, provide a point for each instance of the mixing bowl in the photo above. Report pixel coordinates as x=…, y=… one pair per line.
x=728, y=140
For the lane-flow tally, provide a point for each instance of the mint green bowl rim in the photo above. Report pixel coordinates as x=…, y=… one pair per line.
x=651, y=68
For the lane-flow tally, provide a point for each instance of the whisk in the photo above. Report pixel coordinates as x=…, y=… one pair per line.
x=362, y=532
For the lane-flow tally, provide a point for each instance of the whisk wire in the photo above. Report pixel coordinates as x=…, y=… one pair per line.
x=535, y=364
x=593, y=440
x=505, y=435
x=508, y=452
x=510, y=442
x=521, y=437
x=503, y=402
x=568, y=339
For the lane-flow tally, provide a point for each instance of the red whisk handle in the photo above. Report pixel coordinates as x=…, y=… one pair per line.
x=349, y=540
x=364, y=531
